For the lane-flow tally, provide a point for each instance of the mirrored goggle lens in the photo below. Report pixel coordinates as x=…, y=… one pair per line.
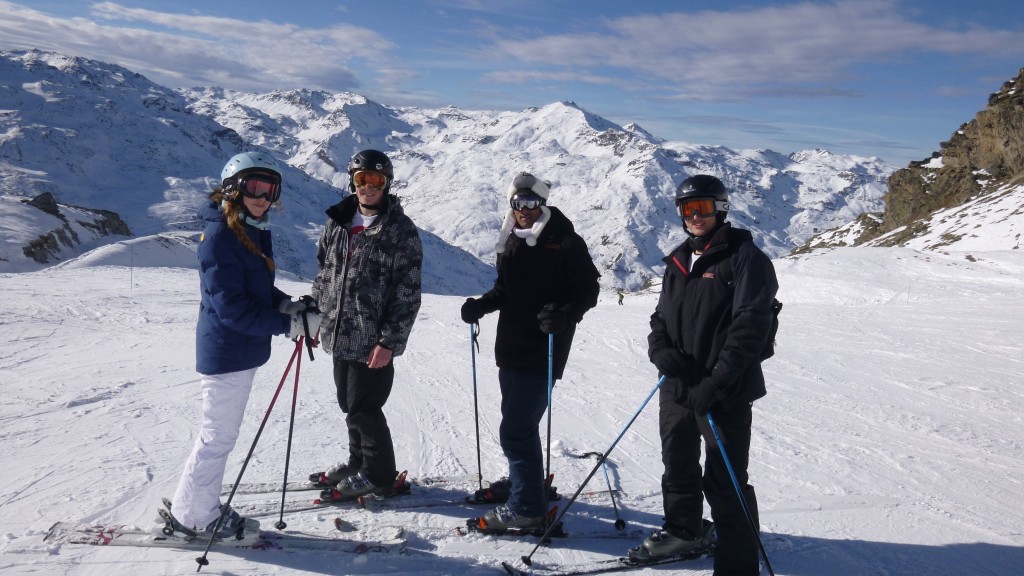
x=259, y=186
x=702, y=207
x=365, y=178
x=526, y=204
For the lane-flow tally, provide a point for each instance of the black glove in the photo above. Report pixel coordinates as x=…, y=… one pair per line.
x=702, y=397
x=552, y=320
x=672, y=363
x=472, y=311
x=310, y=303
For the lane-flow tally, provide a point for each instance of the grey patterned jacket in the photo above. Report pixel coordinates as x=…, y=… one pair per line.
x=371, y=297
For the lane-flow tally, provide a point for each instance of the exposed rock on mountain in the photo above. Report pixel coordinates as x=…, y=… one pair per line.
x=79, y=225
x=981, y=166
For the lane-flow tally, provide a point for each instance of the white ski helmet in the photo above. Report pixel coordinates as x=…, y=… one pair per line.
x=248, y=161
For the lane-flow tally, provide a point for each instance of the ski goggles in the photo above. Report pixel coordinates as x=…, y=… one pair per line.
x=530, y=203
x=260, y=186
x=703, y=207
x=369, y=179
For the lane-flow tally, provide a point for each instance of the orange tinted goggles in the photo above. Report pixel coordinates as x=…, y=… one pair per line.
x=368, y=179
x=702, y=207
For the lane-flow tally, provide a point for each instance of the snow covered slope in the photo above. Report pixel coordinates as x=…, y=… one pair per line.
x=889, y=442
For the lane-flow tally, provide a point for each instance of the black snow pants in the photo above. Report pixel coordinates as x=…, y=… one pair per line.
x=684, y=485
x=362, y=393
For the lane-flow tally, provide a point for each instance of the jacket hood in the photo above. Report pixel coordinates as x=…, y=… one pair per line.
x=210, y=212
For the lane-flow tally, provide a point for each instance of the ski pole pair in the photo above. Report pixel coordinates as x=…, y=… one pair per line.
x=474, y=345
x=296, y=359
x=601, y=460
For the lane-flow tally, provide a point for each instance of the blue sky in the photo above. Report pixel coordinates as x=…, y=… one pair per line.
x=884, y=78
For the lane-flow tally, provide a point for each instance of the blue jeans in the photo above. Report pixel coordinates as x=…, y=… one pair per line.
x=524, y=398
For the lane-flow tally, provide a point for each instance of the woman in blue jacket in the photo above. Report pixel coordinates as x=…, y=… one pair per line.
x=239, y=310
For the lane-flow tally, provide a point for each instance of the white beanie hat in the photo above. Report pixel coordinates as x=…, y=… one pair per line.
x=525, y=184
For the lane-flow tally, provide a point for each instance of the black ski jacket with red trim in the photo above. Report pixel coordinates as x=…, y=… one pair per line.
x=723, y=327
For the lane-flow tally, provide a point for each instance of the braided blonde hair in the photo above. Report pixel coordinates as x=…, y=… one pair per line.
x=234, y=217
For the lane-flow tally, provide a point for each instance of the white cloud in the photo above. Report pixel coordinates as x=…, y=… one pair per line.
x=190, y=50
x=711, y=53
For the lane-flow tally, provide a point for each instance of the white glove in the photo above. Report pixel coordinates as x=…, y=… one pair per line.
x=298, y=329
x=290, y=307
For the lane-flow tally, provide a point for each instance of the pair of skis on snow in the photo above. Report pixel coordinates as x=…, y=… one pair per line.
x=617, y=564
x=172, y=535
x=392, y=540
x=116, y=535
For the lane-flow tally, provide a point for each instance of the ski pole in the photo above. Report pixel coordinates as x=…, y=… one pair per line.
x=281, y=525
x=620, y=524
x=551, y=384
x=202, y=561
x=739, y=493
x=527, y=559
x=474, y=331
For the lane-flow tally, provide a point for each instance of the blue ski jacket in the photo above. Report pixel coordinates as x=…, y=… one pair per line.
x=238, y=300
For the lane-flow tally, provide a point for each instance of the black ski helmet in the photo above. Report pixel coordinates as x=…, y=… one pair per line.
x=703, y=186
x=373, y=160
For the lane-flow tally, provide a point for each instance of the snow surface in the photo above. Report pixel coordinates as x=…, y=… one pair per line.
x=890, y=441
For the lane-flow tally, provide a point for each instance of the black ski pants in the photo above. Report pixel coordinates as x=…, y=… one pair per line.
x=362, y=393
x=684, y=485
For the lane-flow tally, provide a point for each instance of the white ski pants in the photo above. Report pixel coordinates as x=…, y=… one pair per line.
x=197, y=500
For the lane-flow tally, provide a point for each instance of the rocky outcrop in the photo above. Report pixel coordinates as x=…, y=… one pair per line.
x=981, y=158
x=96, y=223
x=982, y=155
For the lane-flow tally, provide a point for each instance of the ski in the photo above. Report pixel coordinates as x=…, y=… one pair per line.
x=260, y=509
x=328, y=498
x=497, y=492
x=116, y=535
x=307, y=485
x=559, y=532
x=617, y=564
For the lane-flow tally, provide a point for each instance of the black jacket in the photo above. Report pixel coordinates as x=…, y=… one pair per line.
x=723, y=327
x=557, y=270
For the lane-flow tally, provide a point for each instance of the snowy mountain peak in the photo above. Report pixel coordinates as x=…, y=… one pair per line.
x=152, y=155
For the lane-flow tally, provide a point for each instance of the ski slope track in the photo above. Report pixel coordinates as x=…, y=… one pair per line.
x=890, y=441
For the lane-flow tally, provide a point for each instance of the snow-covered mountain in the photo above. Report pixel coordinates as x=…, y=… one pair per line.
x=99, y=136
